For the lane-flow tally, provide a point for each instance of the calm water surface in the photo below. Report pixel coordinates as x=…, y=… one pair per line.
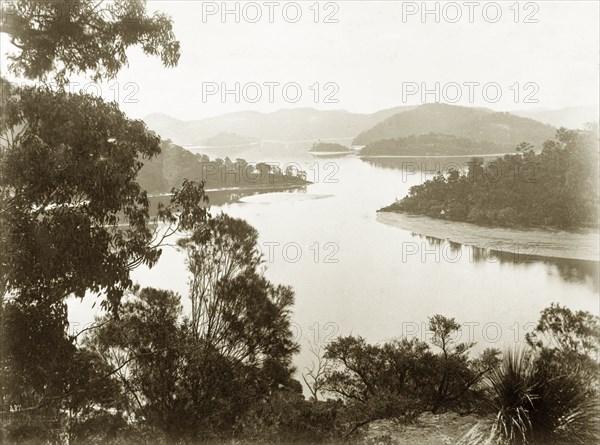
x=352, y=274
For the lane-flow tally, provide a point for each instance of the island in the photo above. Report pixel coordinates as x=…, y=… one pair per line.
x=225, y=139
x=549, y=200
x=330, y=149
x=556, y=188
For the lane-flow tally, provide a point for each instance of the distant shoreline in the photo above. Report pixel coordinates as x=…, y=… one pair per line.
x=228, y=195
x=224, y=146
x=436, y=156
x=332, y=153
x=581, y=245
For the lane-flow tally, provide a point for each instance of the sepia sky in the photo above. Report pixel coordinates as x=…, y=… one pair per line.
x=375, y=52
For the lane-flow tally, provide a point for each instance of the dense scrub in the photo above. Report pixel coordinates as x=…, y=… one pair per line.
x=557, y=187
x=224, y=375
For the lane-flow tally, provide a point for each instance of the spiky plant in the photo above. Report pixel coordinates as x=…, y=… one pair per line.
x=567, y=408
x=539, y=399
x=512, y=387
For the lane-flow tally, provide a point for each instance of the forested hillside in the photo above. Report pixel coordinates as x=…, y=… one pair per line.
x=174, y=164
x=430, y=144
x=478, y=124
x=557, y=187
x=224, y=139
x=328, y=147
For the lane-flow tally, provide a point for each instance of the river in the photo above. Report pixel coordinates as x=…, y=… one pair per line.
x=353, y=274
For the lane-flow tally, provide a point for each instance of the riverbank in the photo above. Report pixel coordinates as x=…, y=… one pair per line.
x=228, y=195
x=580, y=245
x=332, y=154
x=441, y=156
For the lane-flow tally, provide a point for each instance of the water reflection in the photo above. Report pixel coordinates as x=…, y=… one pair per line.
x=372, y=289
x=221, y=197
x=427, y=166
x=569, y=270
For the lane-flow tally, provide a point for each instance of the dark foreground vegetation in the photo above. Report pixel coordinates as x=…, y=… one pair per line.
x=555, y=188
x=223, y=374
x=75, y=222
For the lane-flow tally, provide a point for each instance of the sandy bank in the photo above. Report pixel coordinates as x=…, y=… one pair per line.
x=580, y=245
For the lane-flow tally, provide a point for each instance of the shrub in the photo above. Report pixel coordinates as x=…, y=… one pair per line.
x=547, y=394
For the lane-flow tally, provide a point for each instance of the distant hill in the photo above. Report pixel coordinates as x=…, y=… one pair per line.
x=225, y=139
x=283, y=125
x=431, y=144
x=571, y=117
x=477, y=124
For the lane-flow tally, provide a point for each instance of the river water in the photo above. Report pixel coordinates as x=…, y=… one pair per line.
x=355, y=275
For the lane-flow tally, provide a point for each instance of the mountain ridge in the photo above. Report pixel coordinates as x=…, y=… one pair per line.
x=289, y=124
x=478, y=124
x=310, y=124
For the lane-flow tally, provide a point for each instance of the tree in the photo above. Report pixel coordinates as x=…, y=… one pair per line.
x=235, y=309
x=61, y=37
x=453, y=358
x=403, y=377
x=524, y=147
x=218, y=251
x=49, y=386
x=380, y=381
x=179, y=385
x=192, y=378
x=68, y=181
x=315, y=377
x=73, y=217
x=562, y=329
x=567, y=341
x=144, y=347
x=34, y=365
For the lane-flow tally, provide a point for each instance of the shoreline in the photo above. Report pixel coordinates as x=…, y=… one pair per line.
x=332, y=153
x=583, y=245
x=229, y=195
x=241, y=188
x=436, y=156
